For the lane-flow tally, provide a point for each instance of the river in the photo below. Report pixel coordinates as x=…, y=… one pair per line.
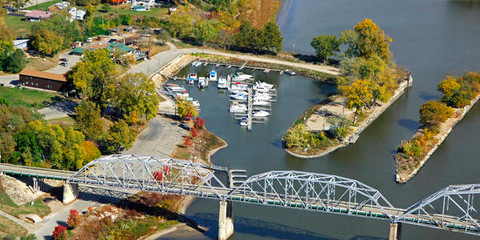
x=432, y=38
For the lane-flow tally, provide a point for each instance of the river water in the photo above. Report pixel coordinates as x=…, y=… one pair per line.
x=432, y=38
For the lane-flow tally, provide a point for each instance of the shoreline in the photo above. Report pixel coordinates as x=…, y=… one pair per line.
x=403, y=86
x=440, y=137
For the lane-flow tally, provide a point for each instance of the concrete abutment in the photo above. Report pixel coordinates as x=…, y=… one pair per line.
x=70, y=192
x=225, y=220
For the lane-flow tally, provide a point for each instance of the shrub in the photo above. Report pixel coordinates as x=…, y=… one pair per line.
x=194, y=132
x=60, y=233
x=188, y=141
x=433, y=113
x=297, y=137
x=73, y=219
x=200, y=123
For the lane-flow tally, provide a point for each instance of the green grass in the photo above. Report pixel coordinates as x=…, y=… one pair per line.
x=43, y=6
x=17, y=23
x=27, y=97
x=63, y=121
x=7, y=227
x=7, y=205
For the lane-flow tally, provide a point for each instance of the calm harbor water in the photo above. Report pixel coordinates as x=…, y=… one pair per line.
x=432, y=38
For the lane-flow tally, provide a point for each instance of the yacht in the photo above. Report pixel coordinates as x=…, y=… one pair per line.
x=261, y=103
x=238, y=108
x=291, y=73
x=261, y=97
x=238, y=96
x=212, y=75
x=263, y=85
x=239, y=76
x=222, y=83
x=202, y=83
x=240, y=87
x=196, y=63
x=193, y=75
x=261, y=113
x=243, y=121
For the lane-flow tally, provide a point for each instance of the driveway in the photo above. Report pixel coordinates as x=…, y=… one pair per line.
x=159, y=139
x=72, y=60
x=59, y=109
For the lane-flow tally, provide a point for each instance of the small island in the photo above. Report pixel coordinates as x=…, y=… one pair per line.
x=437, y=120
x=368, y=84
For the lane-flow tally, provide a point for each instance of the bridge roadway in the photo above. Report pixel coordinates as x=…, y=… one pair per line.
x=246, y=194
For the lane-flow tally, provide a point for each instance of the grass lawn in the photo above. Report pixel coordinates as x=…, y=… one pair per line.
x=43, y=6
x=27, y=97
x=7, y=227
x=63, y=121
x=7, y=205
x=38, y=64
x=17, y=23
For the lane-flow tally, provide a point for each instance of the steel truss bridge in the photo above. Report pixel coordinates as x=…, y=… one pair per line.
x=453, y=208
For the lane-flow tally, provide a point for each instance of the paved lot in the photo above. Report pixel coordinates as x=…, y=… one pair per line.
x=159, y=139
x=59, y=109
x=72, y=60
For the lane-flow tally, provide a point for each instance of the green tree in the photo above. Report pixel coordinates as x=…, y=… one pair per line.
x=358, y=95
x=88, y=120
x=106, y=7
x=339, y=126
x=60, y=24
x=326, y=46
x=15, y=62
x=6, y=49
x=118, y=138
x=297, y=137
x=366, y=40
x=47, y=42
x=433, y=113
x=135, y=96
x=204, y=31
x=180, y=25
x=95, y=77
x=270, y=38
x=246, y=37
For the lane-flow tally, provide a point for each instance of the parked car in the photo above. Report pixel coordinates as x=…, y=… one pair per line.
x=184, y=126
x=112, y=40
x=49, y=199
x=64, y=59
x=65, y=64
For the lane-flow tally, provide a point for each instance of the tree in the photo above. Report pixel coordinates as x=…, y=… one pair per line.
x=297, y=137
x=163, y=36
x=63, y=28
x=433, y=113
x=185, y=108
x=270, y=38
x=180, y=25
x=204, y=31
x=135, y=93
x=74, y=219
x=339, y=126
x=246, y=37
x=47, y=42
x=326, y=46
x=15, y=62
x=106, y=7
x=358, y=95
x=199, y=123
x=366, y=40
x=6, y=49
x=118, y=137
x=95, y=77
x=449, y=86
x=60, y=233
x=88, y=120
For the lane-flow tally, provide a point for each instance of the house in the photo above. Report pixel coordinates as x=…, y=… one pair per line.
x=37, y=15
x=76, y=14
x=147, y=4
x=21, y=43
x=58, y=7
x=44, y=80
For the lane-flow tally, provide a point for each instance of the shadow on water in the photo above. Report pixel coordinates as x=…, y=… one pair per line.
x=427, y=96
x=408, y=124
x=268, y=229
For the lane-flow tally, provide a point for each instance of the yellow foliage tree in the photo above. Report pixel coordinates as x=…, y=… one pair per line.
x=358, y=96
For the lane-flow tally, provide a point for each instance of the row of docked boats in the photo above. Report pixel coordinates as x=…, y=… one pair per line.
x=178, y=92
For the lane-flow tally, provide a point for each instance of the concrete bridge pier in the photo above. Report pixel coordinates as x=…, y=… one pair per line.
x=70, y=192
x=225, y=220
x=395, y=231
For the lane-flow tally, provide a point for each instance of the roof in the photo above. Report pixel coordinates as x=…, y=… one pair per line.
x=39, y=14
x=46, y=75
x=78, y=50
x=20, y=41
x=120, y=46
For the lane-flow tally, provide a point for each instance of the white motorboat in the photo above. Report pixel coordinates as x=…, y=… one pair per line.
x=222, y=83
x=243, y=121
x=238, y=87
x=196, y=63
x=263, y=85
x=192, y=75
x=239, y=76
x=176, y=89
x=238, y=108
x=182, y=95
x=194, y=102
x=291, y=73
x=261, y=97
x=167, y=85
x=202, y=83
x=261, y=103
x=212, y=75
x=261, y=113
x=239, y=96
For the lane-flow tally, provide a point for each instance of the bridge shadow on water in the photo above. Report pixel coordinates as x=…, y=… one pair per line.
x=266, y=229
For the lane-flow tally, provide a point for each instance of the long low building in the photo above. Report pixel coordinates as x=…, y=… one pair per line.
x=44, y=80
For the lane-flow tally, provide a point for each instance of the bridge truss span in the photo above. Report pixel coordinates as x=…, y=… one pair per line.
x=315, y=192
x=165, y=175
x=454, y=208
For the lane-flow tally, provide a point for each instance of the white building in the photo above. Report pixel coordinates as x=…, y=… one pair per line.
x=147, y=4
x=21, y=43
x=76, y=14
